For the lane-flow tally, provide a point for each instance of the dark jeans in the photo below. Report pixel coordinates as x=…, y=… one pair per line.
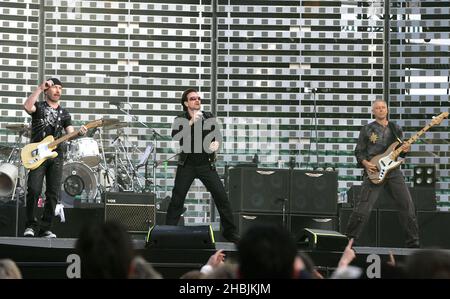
x=183, y=180
x=51, y=169
x=363, y=205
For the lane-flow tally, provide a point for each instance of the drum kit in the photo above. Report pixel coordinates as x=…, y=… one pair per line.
x=88, y=169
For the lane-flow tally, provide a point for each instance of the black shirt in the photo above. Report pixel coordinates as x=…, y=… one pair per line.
x=374, y=139
x=190, y=156
x=47, y=121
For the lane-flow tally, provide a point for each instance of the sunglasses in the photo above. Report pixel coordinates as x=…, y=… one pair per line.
x=195, y=98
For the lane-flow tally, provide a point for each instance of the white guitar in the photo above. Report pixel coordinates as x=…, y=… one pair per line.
x=387, y=161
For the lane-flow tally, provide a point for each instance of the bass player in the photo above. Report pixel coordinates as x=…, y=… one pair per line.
x=374, y=139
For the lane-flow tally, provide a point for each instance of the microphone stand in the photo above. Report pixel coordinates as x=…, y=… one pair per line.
x=155, y=140
x=314, y=90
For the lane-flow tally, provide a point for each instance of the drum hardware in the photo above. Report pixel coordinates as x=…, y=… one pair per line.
x=9, y=173
x=155, y=136
x=5, y=149
x=124, y=170
x=144, y=162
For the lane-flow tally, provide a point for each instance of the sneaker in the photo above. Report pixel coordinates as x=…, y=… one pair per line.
x=29, y=232
x=48, y=234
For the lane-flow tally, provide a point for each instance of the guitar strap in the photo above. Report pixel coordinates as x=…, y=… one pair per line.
x=394, y=131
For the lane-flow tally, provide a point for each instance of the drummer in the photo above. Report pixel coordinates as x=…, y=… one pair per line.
x=48, y=118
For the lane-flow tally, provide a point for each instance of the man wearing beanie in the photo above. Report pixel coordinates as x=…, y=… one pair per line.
x=48, y=118
x=193, y=129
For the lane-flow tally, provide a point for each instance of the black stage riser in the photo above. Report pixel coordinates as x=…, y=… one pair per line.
x=76, y=218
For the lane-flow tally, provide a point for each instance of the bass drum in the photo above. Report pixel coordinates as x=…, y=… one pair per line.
x=76, y=177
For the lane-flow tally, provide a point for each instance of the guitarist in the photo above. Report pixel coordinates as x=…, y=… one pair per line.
x=48, y=118
x=374, y=139
x=195, y=131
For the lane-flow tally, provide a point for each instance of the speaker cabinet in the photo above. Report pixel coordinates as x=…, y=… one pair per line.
x=314, y=192
x=246, y=220
x=134, y=210
x=259, y=190
x=181, y=237
x=8, y=220
x=368, y=235
x=390, y=232
x=299, y=222
x=433, y=229
x=424, y=198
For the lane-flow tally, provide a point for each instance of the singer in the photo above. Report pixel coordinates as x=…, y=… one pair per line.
x=191, y=129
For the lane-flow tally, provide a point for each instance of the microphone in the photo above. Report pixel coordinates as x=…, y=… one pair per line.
x=200, y=115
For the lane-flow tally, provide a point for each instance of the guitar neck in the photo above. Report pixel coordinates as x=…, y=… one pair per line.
x=62, y=139
x=411, y=140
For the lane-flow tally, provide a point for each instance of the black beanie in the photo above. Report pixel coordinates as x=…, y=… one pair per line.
x=55, y=81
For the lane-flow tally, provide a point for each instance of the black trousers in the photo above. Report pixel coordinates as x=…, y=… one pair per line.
x=363, y=205
x=51, y=169
x=184, y=178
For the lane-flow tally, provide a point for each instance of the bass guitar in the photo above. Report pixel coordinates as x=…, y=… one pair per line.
x=387, y=161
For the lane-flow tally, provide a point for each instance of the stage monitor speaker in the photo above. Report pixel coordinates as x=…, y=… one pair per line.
x=136, y=211
x=424, y=198
x=314, y=192
x=259, y=190
x=368, y=235
x=318, y=239
x=390, y=232
x=180, y=237
x=433, y=229
x=246, y=220
x=299, y=222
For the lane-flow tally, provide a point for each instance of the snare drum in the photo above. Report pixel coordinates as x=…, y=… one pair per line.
x=84, y=150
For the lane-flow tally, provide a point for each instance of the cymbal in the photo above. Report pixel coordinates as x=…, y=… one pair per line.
x=18, y=127
x=23, y=129
x=116, y=126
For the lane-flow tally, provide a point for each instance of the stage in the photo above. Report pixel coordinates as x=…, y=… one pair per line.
x=50, y=258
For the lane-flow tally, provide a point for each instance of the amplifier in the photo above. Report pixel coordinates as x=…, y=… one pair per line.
x=136, y=211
